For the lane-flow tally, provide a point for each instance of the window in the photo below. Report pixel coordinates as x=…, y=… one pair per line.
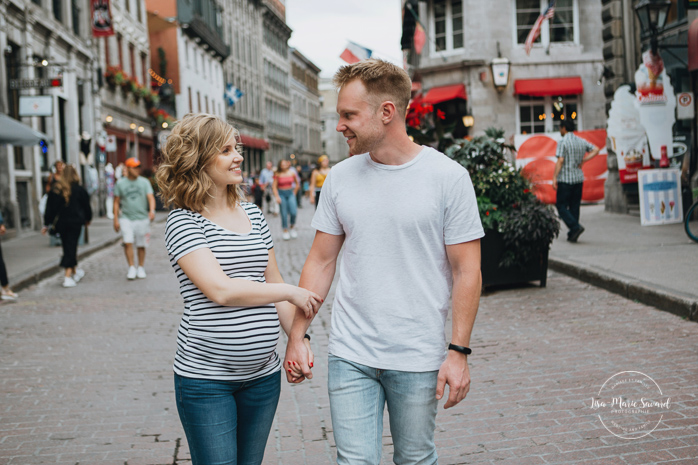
x=75, y=10
x=677, y=12
x=561, y=29
x=120, y=50
x=543, y=114
x=447, y=24
x=58, y=10
x=132, y=60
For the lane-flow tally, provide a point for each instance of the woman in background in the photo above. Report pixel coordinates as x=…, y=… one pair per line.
x=68, y=210
x=286, y=185
x=5, y=293
x=317, y=179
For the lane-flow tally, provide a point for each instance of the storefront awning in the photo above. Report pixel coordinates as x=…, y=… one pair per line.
x=14, y=132
x=693, y=46
x=549, y=86
x=253, y=142
x=441, y=94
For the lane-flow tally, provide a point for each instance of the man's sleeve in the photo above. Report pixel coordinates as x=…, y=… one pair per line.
x=560, y=151
x=148, y=187
x=325, y=218
x=461, y=216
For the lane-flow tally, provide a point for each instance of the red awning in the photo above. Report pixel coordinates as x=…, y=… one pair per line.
x=693, y=46
x=253, y=142
x=549, y=86
x=441, y=94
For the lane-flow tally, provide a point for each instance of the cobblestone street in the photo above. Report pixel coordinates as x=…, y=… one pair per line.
x=86, y=376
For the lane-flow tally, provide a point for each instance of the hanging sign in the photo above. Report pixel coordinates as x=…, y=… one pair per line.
x=685, y=107
x=36, y=105
x=101, y=20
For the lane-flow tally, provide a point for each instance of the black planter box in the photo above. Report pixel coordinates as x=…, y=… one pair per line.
x=492, y=249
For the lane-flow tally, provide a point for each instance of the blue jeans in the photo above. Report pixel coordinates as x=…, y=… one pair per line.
x=569, y=197
x=288, y=207
x=227, y=422
x=358, y=395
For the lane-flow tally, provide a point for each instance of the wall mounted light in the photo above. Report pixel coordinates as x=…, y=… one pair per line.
x=141, y=129
x=468, y=121
x=133, y=126
x=109, y=119
x=500, y=71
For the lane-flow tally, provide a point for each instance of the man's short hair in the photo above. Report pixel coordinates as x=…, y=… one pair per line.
x=383, y=81
x=567, y=124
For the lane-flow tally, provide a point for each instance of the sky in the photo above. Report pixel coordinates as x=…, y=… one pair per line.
x=321, y=29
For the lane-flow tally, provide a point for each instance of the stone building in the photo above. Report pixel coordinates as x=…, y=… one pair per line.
x=306, y=108
x=277, y=89
x=557, y=80
x=334, y=145
x=43, y=39
x=121, y=110
x=243, y=71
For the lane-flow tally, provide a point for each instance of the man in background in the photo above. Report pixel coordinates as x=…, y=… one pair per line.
x=134, y=210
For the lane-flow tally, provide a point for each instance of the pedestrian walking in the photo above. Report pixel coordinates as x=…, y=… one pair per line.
x=5, y=291
x=227, y=371
x=134, y=210
x=407, y=218
x=257, y=192
x=68, y=211
x=55, y=175
x=568, y=179
x=286, y=184
x=317, y=178
x=266, y=179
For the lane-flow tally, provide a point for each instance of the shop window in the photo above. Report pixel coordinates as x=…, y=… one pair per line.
x=677, y=13
x=447, y=24
x=561, y=29
x=58, y=10
x=539, y=115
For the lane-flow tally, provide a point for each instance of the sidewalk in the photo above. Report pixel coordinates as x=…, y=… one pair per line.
x=655, y=265
x=29, y=258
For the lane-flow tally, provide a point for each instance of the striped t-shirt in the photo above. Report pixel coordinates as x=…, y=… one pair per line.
x=213, y=341
x=572, y=149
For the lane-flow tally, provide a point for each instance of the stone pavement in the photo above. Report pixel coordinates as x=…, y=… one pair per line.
x=85, y=374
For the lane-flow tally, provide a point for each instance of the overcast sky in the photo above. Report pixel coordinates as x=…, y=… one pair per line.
x=321, y=29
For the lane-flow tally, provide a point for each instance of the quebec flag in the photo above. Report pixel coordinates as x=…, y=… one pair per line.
x=232, y=94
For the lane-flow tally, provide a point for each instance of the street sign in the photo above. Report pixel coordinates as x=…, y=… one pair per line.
x=111, y=143
x=36, y=105
x=692, y=4
x=16, y=84
x=685, y=108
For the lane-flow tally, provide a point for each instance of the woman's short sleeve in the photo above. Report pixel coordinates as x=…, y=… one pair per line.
x=264, y=230
x=183, y=234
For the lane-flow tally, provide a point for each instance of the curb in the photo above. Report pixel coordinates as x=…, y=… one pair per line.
x=35, y=276
x=666, y=300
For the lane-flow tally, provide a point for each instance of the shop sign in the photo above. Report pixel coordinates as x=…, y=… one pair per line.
x=35, y=105
x=627, y=138
x=660, y=197
x=111, y=143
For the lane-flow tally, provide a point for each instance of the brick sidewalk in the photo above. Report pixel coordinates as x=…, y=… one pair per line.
x=86, y=374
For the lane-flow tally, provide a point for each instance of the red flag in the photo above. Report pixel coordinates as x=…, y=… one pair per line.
x=549, y=13
x=420, y=38
x=101, y=19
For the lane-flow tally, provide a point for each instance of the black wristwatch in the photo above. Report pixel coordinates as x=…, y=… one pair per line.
x=306, y=336
x=461, y=349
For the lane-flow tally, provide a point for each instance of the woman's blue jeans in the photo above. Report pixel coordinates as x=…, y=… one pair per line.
x=289, y=207
x=358, y=395
x=227, y=422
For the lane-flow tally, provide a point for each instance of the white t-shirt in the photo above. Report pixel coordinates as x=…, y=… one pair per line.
x=395, y=280
x=215, y=341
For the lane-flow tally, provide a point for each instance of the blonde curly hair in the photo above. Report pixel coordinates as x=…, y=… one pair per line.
x=194, y=143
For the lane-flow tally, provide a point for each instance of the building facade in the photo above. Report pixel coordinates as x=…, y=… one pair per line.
x=120, y=109
x=277, y=90
x=43, y=39
x=243, y=70
x=305, y=98
x=334, y=145
x=557, y=79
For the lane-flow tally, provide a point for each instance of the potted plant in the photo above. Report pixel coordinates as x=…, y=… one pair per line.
x=518, y=227
x=115, y=76
x=427, y=127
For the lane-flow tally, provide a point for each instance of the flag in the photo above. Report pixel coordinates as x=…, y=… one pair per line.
x=355, y=52
x=232, y=94
x=420, y=38
x=535, y=31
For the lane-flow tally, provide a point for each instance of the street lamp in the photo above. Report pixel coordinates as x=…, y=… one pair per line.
x=500, y=71
x=652, y=15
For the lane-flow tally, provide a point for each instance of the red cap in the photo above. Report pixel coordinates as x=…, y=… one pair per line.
x=133, y=162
